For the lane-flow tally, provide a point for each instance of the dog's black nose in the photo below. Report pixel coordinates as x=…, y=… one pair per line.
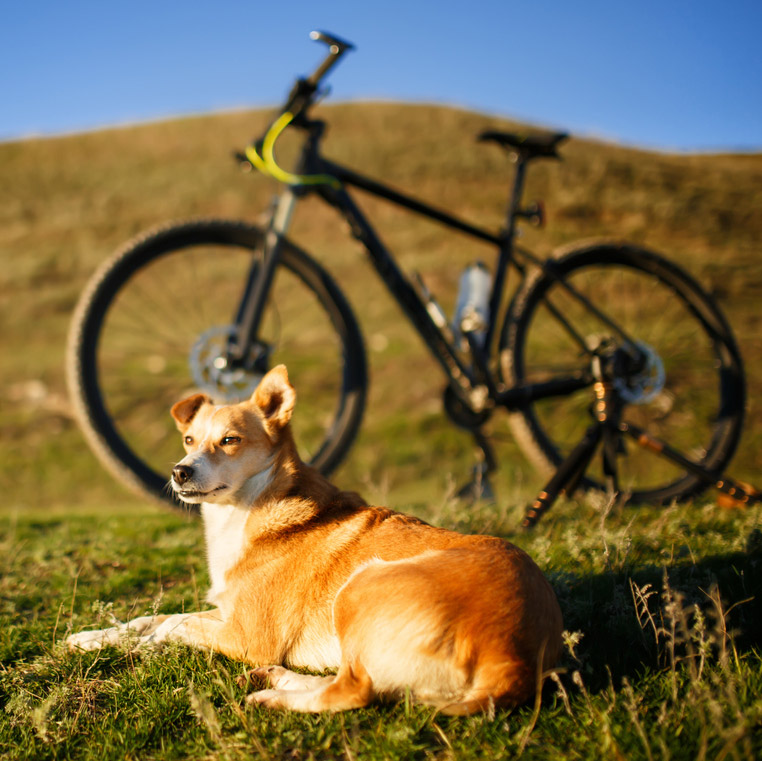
x=182, y=473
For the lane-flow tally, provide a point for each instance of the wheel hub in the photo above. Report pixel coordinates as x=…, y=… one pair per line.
x=644, y=385
x=636, y=381
x=212, y=372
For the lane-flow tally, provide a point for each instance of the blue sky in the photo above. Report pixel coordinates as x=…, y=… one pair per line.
x=670, y=75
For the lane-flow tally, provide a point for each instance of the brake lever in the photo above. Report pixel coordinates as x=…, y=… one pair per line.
x=243, y=162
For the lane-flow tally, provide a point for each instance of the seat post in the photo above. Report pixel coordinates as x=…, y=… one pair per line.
x=522, y=148
x=506, y=247
x=514, y=204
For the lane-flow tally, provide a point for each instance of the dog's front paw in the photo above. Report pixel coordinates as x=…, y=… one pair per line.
x=131, y=632
x=93, y=640
x=253, y=678
x=267, y=698
x=265, y=675
x=272, y=675
x=281, y=680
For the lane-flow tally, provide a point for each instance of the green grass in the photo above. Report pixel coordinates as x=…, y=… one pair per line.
x=666, y=662
x=678, y=678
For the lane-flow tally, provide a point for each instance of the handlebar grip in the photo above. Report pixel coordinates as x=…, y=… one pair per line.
x=332, y=41
x=336, y=48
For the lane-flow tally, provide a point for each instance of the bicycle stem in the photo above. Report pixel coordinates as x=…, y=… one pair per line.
x=303, y=92
x=336, y=49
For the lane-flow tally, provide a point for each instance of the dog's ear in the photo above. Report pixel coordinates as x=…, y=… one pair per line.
x=183, y=412
x=275, y=398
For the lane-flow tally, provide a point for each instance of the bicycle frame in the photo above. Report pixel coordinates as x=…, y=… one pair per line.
x=475, y=386
x=473, y=381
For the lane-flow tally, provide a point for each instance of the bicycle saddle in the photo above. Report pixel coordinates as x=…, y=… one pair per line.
x=531, y=146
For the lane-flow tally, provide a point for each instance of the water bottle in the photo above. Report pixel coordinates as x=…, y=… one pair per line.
x=472, y=307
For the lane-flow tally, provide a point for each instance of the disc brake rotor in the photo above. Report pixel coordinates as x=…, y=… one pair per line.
x=644, y=386
x=211, y=372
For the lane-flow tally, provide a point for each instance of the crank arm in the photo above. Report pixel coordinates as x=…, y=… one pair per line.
x=742, y=494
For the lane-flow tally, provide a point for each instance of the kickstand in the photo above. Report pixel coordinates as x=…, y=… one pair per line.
x=567, y=476
x=479, y=487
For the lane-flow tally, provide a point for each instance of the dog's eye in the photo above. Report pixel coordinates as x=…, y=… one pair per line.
x=189, y=440
x=228, y=440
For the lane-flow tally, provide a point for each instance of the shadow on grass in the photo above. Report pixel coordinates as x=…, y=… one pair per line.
x=631, y=619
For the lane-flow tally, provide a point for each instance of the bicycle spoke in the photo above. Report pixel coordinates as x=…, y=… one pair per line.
x=576, y=337
x=587, y=303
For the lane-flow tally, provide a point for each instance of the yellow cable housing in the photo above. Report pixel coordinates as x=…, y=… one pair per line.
x=267, y=164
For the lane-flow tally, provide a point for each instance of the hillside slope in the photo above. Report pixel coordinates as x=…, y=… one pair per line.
x=66, y=203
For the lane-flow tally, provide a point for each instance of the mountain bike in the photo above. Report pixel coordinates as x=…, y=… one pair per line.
x=603, y=347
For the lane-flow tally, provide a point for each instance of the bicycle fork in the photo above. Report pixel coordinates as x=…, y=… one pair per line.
x=245, y=348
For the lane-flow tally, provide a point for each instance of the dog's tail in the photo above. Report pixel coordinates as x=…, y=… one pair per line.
x=511, y=687
x=506, y=684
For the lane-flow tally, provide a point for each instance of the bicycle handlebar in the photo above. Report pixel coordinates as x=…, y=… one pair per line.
x=301, y=95
x=299, y=100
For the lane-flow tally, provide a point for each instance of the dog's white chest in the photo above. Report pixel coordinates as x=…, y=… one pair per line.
x=225, y=540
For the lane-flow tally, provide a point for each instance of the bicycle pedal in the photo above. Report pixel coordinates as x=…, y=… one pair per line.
x=743, y=495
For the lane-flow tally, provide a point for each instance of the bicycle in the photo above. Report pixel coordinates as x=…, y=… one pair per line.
x=605, y=344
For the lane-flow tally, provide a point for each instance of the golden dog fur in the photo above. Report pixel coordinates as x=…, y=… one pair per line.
x=306, y=575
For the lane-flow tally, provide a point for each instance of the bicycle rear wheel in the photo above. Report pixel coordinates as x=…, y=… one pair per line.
x=154, y=323
x=691, y=394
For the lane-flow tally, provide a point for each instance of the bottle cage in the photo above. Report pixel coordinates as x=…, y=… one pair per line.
x=268, y=166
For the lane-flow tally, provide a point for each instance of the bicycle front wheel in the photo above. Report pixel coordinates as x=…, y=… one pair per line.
x=690, y=395
x=154, y=324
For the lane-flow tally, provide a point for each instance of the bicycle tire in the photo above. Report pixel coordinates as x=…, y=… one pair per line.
x=143, y=335
x=665, y=309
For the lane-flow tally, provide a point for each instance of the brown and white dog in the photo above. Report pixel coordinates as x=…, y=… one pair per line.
x=304, y=574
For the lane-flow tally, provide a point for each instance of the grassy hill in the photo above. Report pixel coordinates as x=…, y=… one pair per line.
x=66, y=203
x=663, y=606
